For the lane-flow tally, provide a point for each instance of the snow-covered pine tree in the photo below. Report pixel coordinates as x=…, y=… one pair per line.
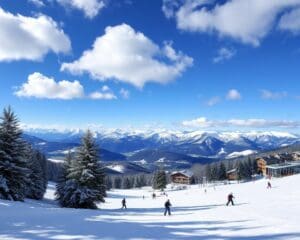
x=13, y=165
x=36, y=185
x=85, y=183
x=62, y=179
x=160, y=180
x=43, y=161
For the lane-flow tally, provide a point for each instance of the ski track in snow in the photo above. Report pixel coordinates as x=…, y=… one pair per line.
x=259, y=213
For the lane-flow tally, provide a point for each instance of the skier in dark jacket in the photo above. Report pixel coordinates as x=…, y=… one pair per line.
x=124, y=203
x=167, y=207
x=269, y=185
x=230, y=199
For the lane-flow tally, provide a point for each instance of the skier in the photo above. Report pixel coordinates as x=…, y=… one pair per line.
x=167, y=207
x=153, y=195
x=230, y=199
x=269, y=185
x=124, y=203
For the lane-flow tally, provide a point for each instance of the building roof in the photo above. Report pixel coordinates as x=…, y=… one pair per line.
x=187, y=173
x=284, y=165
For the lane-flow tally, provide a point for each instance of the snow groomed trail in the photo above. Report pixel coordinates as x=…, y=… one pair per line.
x=259, y=213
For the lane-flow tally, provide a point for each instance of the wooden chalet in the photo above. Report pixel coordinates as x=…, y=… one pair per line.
x=232, y=174
x=182, y=177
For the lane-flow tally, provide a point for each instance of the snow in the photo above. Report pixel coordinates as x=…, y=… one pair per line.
x=161, y=160
x=117, y=167
x=165, y=135
x=143, y=162
x=55, y=160
x=65, y=152
x=42, y=143
x=259, y=213
x=240, y=154
x=222, y=151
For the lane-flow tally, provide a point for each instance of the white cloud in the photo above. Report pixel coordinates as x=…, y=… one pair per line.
x=38, y=3
x=233, y=94
x=30, y=38
x=40, y=86
x=248, y=21
x=169, y=7
x=213, y=101
x=266, y=94
x=291, y=21
x=105, y=88
x=124, y=93
x=126, y=55
x=105, y=94
x=224, y=54
x=91, y=8
x=203, y=122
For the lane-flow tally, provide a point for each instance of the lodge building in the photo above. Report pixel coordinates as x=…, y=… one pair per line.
x=283, y=169
x=182, y=177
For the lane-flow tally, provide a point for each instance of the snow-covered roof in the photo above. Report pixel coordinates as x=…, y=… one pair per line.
x=187, y=173
x=232, y=170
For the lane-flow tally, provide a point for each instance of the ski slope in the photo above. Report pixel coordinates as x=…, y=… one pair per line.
x=259, y=213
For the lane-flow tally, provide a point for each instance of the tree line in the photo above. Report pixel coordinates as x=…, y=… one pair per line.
x=23, y=170
x=217, y=171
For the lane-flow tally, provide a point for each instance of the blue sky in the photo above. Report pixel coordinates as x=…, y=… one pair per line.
x=192, y=64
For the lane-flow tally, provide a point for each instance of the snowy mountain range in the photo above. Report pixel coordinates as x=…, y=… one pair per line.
x=152, y=146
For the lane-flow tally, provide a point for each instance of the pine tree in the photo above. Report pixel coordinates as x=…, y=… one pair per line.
x=143, y=180
x=126, y=183
x=108, y=183
x=254, y=166
x=85, y=183
x=13, y=165
x=160, y=180
x=214, y=172
x=140, y=181
x=222, y=172
x=43, y=161
x=117, y=182
x=137, y=183
x=208, y=173
x=36, y=185
x=62, y=179
x=249, y=171
x=241, y=171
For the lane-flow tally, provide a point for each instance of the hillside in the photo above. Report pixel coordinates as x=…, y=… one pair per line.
x=259, y=213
